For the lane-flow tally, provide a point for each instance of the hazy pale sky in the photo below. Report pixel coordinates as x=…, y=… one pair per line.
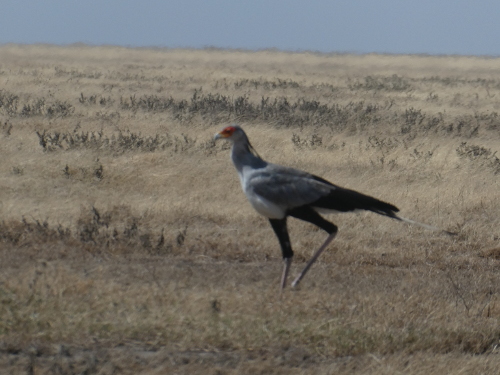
x=462, y=27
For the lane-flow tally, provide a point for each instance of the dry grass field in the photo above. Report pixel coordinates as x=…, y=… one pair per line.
x=127, y=245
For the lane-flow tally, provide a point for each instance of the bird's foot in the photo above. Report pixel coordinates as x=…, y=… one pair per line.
x=296, y=281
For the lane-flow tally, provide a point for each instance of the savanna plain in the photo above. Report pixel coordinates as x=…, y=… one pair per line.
x=127, y=245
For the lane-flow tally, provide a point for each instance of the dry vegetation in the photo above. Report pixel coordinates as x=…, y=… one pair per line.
x=126, y=245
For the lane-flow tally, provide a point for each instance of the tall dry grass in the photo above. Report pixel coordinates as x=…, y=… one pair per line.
x=124, y=230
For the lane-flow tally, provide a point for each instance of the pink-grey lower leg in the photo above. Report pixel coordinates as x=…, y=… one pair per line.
x=313, y=259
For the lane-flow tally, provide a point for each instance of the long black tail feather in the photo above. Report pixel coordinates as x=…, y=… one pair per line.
x=345, y=200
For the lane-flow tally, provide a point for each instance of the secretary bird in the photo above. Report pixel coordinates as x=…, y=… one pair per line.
x=277, y=192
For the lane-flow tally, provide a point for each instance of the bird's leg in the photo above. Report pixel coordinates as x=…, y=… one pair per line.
x=313, y=259
x=310, y=215
x=279, y=227
x=287, y=262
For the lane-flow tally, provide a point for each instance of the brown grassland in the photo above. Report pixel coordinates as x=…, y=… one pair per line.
x=127, y=246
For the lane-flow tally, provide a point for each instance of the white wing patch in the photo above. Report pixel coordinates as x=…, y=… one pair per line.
x=265, y=207
x=260, y=203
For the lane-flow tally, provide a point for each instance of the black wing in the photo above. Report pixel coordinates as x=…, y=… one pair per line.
x=345, y=200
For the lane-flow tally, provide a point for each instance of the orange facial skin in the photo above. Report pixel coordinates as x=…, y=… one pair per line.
x=227, y=132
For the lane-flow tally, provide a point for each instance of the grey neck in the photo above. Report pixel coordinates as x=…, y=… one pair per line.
x=244, y=155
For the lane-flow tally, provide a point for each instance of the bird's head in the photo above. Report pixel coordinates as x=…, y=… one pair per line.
x=231, y=133
x=236, y=136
